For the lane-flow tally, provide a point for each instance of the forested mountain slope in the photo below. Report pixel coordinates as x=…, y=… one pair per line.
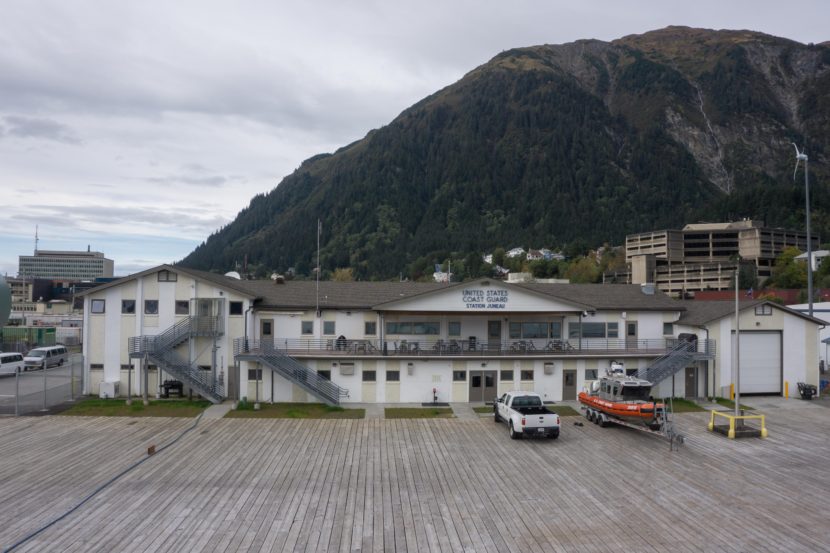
x=553, y=144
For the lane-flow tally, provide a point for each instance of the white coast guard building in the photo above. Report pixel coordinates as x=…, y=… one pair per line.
x=415, y=342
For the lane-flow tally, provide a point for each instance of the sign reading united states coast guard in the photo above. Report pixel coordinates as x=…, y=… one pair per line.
x=484, y=298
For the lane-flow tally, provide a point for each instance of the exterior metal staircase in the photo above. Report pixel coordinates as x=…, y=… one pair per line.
x=289, y=368
x=675, y=359
x=161, y=351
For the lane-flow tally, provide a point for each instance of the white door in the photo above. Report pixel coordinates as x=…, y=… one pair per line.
x=760, y=362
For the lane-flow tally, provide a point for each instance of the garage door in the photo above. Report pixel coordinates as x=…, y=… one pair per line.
x=760, y=362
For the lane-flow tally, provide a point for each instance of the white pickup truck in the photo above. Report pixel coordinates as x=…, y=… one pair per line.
x=525, y=415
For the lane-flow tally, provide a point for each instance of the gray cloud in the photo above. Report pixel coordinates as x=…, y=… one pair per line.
x=34, y=127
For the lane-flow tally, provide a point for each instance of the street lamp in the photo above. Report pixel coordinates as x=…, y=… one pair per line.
x=801, y=156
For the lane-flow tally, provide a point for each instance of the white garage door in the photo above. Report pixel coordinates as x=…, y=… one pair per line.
x=760, y=362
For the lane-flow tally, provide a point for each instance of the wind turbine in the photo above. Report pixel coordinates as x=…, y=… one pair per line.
x=802, y=156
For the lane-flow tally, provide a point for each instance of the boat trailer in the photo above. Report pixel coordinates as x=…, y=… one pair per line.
x=664, y=431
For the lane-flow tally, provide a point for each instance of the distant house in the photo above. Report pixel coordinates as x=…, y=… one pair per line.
x=440, y=276
x=534, y=255
x=818, y=257
x=515, y=252
x=488, y=258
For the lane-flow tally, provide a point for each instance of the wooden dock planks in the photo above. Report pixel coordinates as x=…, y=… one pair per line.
x=412, y=486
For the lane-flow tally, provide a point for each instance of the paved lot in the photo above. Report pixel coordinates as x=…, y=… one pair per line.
x=415, y=485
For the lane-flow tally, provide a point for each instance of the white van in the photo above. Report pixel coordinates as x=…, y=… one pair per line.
x=11, y=363
x=45, y=357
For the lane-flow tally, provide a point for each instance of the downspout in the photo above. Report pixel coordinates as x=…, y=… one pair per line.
x=714, y=364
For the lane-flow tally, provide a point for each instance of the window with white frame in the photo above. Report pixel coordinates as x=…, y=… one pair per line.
x=668, y=329
x=307, y=327
x=151, y=307
x=167, y=276
x=328, y=328
x=763, y=309
x=98, y=306
x=593, y=330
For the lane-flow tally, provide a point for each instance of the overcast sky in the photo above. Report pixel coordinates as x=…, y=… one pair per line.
x=138, y=128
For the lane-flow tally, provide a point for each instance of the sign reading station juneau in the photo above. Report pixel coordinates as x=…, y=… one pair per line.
x=488, y=298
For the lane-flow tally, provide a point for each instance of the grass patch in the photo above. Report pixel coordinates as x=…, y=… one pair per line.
x=731, y=404
x=95, y=407
x=483, y=410
x=418, y=413
x=245, y=410
x=564, y=410
x=683, y=405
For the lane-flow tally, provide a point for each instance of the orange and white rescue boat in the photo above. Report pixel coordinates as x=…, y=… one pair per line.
x=619, y=397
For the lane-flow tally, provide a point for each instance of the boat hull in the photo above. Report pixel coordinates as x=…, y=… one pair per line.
x=635, y=412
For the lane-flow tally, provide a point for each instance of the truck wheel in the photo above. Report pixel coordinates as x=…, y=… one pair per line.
x=496, y=417
x=603, y=422
x=513, y=434
x=589, y=414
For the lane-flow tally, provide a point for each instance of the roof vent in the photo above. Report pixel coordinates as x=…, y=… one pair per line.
x=278, y=279
x=647, y=288
x=234, y=275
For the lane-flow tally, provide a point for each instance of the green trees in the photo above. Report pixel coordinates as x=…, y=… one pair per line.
x=787, y=272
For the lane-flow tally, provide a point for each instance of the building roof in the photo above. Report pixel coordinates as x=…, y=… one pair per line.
x=302, y=294
x=701, y=312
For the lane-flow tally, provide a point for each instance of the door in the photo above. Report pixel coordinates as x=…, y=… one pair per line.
x=494, y=335
x=761, y=366
x=483, y=385
x=631, y=334
x=568, y=384
x=266, y=333
x=691, y=382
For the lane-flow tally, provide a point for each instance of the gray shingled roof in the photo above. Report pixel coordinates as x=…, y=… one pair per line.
x=701, y=312
x=302, y=294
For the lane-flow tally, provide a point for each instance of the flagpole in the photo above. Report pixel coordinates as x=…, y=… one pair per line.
x=319, y=231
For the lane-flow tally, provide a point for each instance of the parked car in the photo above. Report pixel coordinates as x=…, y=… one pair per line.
x=45, y=357
x=11, y=363
x=525, y=415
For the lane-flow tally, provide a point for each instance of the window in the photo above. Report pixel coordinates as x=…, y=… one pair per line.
x=393, y=376
x=591, y=374
x=167, y=276
x=556, y=329
x=763, y=309
x=127, y=307
x=531, y=330
x=527, y=375
x=325, y=374
x=254, y=374
x=507, y=376
x=668, y=329
x=369, y=376
x=454, y=328
x=98, y=306
x=594, y=330
x=370, y=328
x=328, y=327
x=423, y=328
x=235, y=308
x=459, y=376
x=307, y=327
x=182, y=307
x=151, y=307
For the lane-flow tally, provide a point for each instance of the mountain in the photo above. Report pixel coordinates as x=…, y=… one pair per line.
x=577, y=143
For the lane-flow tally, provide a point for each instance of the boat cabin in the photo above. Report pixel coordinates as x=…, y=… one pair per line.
x=618, y=387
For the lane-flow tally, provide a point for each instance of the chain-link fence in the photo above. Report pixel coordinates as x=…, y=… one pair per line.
x=37, y=391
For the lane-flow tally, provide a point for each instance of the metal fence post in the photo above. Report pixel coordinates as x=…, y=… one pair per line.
x=72, y=380
x=44, y=386
x=17, y=393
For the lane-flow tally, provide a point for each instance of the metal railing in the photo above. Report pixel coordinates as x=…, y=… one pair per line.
x=160, y=349
x=677, y=358
x=294, y=371
x=469, y=348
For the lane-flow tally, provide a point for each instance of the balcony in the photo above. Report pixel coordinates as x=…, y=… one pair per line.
x=454, y=348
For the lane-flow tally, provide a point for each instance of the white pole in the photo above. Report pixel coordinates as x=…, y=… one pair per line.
x=809, y=242
x=737, y=375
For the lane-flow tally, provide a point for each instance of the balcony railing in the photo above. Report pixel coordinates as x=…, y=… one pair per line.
x=468, y=348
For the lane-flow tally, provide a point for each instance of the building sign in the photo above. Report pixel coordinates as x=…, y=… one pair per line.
x=486, y=298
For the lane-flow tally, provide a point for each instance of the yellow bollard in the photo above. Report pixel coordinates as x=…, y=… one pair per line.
x=786, y=390
x=732, y=392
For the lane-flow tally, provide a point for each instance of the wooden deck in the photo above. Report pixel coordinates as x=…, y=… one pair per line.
x=414, y=485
